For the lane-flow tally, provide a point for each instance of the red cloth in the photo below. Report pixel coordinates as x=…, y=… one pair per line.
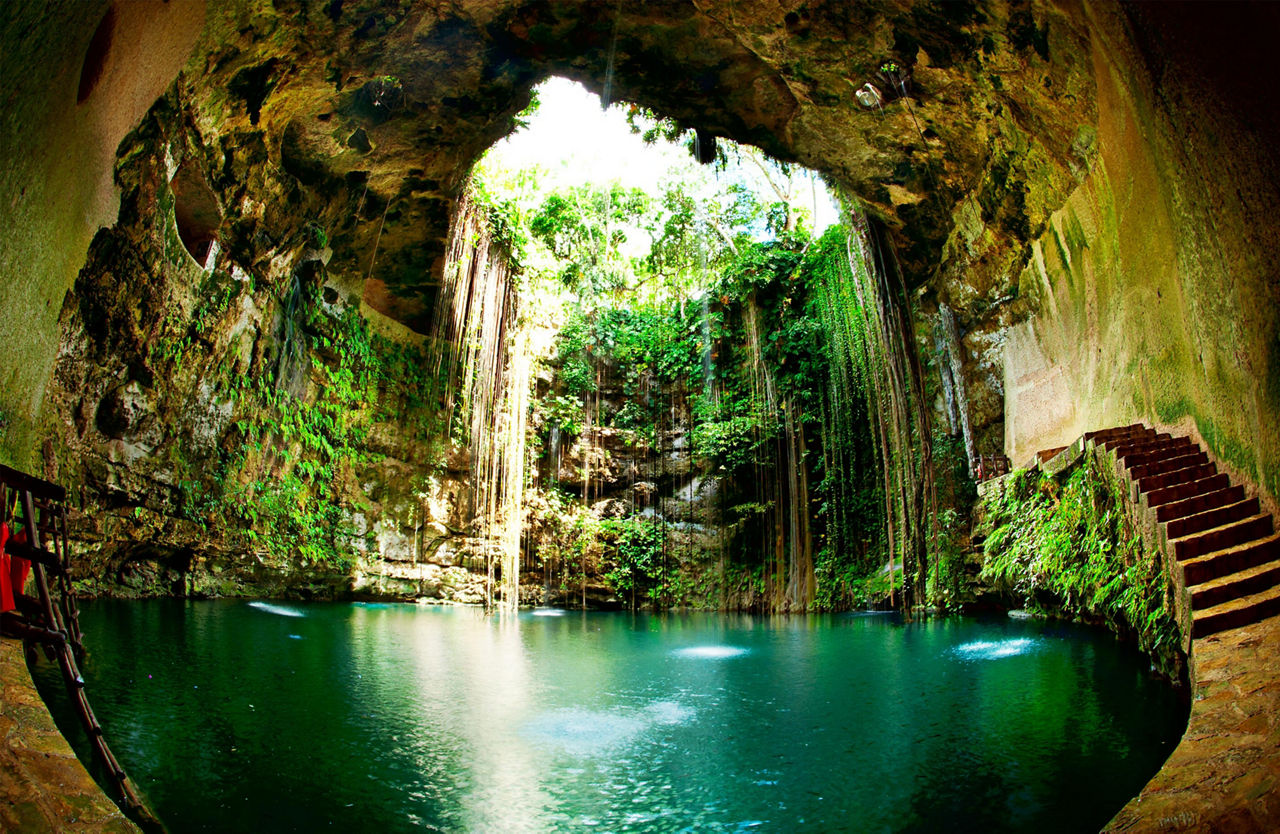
x=6, y=588
x=18, y=567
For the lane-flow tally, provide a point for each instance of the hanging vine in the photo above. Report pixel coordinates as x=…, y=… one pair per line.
x=867, y=314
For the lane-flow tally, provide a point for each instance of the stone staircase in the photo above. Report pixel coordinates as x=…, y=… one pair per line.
x=1220, y=541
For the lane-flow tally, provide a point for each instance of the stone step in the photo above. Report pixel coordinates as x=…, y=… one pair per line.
x=1202, y=569
x=1236, y=613
x=1045, y=455
x=1157, y=450
x=1181, y=492
x=1177, y=476
x=1126, y=442
x=1222, y=537
x=1199, y=503
x=1103, y=435
x=1235, y=585
x=1168, y=464
x=1216, y=517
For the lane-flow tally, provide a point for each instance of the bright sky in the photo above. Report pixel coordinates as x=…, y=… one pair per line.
x=576, y=142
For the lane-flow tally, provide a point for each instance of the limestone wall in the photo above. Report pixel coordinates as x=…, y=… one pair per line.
x=1156, y=284
x=66, y=106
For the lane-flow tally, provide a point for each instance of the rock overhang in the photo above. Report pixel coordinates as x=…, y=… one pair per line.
x=377, y=110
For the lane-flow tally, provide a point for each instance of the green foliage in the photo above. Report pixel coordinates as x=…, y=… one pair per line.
x=575, y=371
x=721, y=335
x=1070, y=546
x=183, y=333
x=521, y=120
x=508, y=227
x=584, y=228
x=635, y=546
x=288, y=485
x=564, y=413
x=733, y=442
x=947, y=560
x=653, y=128
x=317, y=237
x=696, y=358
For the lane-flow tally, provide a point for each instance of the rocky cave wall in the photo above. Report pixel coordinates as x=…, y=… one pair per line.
x=76, y=80
x=185, y=393
x=1089, y=187
x=1155, y=285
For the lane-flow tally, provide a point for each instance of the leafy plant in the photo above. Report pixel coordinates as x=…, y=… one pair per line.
x=1070, y=547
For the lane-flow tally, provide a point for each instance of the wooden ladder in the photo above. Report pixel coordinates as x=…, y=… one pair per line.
x=52, y=619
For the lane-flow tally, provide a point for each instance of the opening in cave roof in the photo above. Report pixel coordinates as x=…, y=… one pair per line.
x=644, y=169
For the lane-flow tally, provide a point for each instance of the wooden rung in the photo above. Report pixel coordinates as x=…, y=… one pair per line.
x=33, y=554
x=23, y=482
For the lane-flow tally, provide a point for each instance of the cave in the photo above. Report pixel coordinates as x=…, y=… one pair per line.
x=1068, y=207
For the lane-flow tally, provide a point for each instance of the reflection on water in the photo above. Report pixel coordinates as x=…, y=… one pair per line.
x=403, y=718
x=271, y=608
x=583, y=732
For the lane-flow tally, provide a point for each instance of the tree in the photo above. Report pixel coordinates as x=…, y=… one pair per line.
x=585, y=228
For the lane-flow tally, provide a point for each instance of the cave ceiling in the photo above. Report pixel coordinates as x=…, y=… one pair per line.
x=364, y=117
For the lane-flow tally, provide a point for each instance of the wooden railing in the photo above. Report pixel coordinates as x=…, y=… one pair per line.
x=33, y=513
x=991, y=466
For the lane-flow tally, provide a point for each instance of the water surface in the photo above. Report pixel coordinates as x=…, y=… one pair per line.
x=279, y=717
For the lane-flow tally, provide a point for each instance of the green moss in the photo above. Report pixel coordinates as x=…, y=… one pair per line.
x=1271, y=374
x=1137, y=400
x=1063, y=258
x=1170, y=411
x=1226, y=446
x=1223, y=445
x=1271, y=478
x=1068, y=547
x=1077, y=240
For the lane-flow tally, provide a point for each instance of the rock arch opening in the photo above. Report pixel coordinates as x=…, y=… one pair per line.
x=195, y=210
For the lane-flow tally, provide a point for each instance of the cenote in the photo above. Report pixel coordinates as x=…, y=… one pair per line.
x=236, y=715
x=485, y=415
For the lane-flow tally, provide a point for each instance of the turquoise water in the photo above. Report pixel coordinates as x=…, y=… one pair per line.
x=237, y=716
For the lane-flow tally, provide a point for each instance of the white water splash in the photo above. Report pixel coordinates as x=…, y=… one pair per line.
x=669, y=712
x=994, y=649
x=276, y=609
x=711, y=652
x=548, y=612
